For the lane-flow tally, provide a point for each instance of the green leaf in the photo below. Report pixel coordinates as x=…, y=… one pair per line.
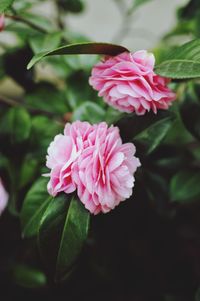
x=5, y=4
x=151, y=137
x=73, y=237
x=35, y=204
x=89, y=111
x=184, y=186
x=189, y=108
x=66, y=220
x=138, y=3
x=28, y=277
x=46, y=42
x=28, y=171
x=82, y=48
x=17, y=123
x=182, y=63
x=149, y=133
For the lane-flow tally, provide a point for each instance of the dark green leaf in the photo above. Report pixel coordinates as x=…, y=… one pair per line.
x=5, y=4
x=73, y=237
x=152, y=136
x=184, y=186
x=28, y=277
x=51, y=226
x=35, y=204
x=28, y=171
x=89, y=111
x=17, y=123
x=66, y=220
x=73, y=6
x=189, y=108
x=182, y=63
x=82, y=48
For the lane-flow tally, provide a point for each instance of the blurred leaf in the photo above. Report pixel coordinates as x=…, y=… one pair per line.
x=5, y=4
x=43, y=132
x=184, y=186
x=35, y=204
x=47, y=98
x=82, y=48
x=152, y=136
x=197, y=295
x=28, y=171
x=73, y=237
x=190, y=10
x=73, y=6
x=28, y=277
x=17, y=60
x=138, y=3
x=17, y=124
x=191, y=108
x=89, y=111
x=182, y=28
x=66, y=220
x=39, y=20
x=182, y=63
x=46, y=42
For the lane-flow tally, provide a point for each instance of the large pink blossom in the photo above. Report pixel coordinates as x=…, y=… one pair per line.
x=128, y=83
x=93, y=160
x=3, y=197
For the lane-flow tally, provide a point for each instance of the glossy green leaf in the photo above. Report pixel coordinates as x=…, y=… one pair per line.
x=28, y=277
x=34, y=206
x=82, y=48
x=5, y=4
x=66, y=220
x=153, y=135
x=46, y=42
x=182, y=63
x=17, y=124
x=73, y=237
x=184, y=186
x=89, y=111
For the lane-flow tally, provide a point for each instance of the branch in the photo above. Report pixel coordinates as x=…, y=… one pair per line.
x=25, y=21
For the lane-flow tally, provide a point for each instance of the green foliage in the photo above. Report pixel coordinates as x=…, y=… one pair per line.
x=72, y=6
x=74, y=234
x=82, y=48
x=67, y=220
x=151, y=241
x=184, y=186
x=28, y=277
x=5, y=4
x=182, y=63
x=17, y=124
x=34, y=206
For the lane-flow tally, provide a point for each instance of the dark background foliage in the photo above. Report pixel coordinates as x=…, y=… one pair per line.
x=146, y=249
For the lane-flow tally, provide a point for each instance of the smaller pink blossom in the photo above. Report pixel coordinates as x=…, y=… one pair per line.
x=92, y=160
x=104, y=171
x=128, y=83
x=2, y=22
x=3, y=197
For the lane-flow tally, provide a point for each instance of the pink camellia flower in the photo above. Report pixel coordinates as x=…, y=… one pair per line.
x=95, y=162
x=62, y=153
x=128, y=83
x=2, y=22
x=104, y=171
x=3, y=197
